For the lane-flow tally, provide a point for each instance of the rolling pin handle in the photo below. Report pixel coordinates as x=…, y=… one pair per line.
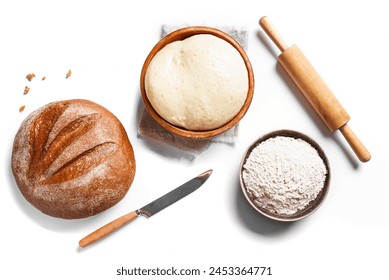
x=273, y=33
x=359, y=149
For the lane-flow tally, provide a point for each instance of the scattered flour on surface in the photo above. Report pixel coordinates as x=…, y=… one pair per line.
x=283, y=174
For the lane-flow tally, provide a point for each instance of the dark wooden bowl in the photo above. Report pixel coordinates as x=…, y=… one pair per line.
x=314, y=204
x=180, y=35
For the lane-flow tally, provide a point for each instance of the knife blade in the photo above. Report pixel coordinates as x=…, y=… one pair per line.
x=149, y=209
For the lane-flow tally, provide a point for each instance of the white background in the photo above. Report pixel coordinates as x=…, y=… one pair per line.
x=105, y=44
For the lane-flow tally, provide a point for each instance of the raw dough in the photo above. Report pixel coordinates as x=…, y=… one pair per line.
x=199, y=83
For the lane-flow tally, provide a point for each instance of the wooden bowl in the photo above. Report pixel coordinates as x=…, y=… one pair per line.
x=314, y=204
x=180, y=35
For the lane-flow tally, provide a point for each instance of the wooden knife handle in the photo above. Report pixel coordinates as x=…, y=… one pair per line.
x=107, y=229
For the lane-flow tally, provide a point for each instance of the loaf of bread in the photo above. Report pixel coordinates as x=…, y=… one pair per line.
x=72, y=159
x=199, y=83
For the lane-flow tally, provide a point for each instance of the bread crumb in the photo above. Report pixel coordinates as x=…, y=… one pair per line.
x=30, y=76
x=43, y=78
x=26, y=89
x=68, y=74
x=21, y=109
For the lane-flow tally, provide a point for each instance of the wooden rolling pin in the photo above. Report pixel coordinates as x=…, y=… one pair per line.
x=315, y=90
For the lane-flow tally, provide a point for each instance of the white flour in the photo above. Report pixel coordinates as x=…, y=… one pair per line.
x=283, y=174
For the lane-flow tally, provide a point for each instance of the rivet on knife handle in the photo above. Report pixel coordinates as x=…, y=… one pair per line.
x=148, y=210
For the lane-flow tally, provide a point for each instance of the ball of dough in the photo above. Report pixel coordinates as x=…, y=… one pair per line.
x=199, y=83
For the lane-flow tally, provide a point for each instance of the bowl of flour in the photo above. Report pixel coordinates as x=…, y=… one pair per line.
x=285, y=175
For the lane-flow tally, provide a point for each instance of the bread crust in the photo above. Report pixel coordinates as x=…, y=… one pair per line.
x=72, y=159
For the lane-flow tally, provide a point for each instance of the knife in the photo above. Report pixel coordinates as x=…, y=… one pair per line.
x=148, y=210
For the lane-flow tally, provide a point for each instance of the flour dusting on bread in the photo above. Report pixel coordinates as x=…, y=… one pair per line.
x=72, y=159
